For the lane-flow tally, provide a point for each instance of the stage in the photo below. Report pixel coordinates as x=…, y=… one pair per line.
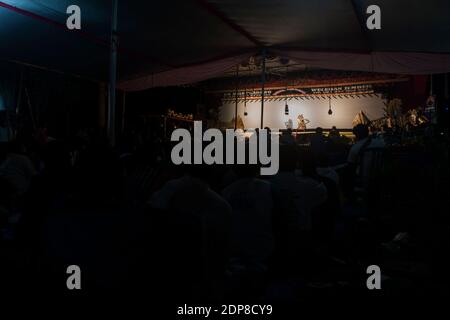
x=315, y=112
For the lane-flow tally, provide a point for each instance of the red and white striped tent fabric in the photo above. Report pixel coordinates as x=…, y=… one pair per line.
x=174, y=42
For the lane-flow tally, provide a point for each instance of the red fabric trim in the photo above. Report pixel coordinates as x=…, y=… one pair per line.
x=184, y=75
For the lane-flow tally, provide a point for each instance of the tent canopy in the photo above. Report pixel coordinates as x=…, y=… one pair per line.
x=182, y=41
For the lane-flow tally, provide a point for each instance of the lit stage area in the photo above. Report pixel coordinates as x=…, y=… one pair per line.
x=315, y=110
x=302, y=100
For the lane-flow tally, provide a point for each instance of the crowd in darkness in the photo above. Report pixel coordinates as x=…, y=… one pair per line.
x=132, y=220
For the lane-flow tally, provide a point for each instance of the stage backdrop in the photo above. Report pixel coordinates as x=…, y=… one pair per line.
x=344, y=111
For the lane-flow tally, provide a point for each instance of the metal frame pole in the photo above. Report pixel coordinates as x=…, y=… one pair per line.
x=236, y=98
x=124, y=110
x=12, y=131
x=113, y=77
x=263, y=84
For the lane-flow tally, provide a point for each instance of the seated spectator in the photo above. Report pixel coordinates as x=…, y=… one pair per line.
x=292, y=215
x=17, y=168
x=318, y=142
x=292, y=188
x=325, y=214
x=312, y=189
x=199, y=221
x=287, y=138
x=193, y=196
x=363, y=142
x=251, y=240
x=334, y=133
x=325, y=170
x=251, y=202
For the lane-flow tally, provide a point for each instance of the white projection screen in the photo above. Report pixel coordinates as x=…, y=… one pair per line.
x=344, y=111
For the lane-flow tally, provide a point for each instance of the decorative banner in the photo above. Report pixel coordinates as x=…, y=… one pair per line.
x=279, y=94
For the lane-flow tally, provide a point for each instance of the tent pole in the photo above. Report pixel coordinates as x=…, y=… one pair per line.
x=113, y=77
x=446, y=85
x=263, y=84
x=19, y=94
x=236, y=98
x=102, y=105
x=165, y=127
x=11, y=131
x=124, y=107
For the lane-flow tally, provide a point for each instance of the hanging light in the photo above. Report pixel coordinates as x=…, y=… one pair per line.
x=330, y=112
x=286, y=107
x=245, y=99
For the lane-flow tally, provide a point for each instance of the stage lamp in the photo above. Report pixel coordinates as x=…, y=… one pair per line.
x=330, y=112
x=245, y=103
x=286, y=109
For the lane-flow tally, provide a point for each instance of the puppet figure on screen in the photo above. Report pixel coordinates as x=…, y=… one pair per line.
x=289, y=124
x=239, y=123
x=302, y=122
